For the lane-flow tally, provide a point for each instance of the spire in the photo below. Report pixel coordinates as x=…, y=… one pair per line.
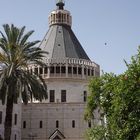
x=60, y=4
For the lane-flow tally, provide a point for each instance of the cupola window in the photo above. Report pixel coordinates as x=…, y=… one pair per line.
x=57, y=69
x=36, y=71
x=69, y=70
x=74, y=70
x=88, y=72
x=40, y=70
x=46, y=70
x=79, y=70
x=85, y=71
x=63, y=69
x=52, y=69
x=92, y=72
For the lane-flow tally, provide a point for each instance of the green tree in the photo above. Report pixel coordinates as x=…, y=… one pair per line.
x=15, y=79
x=96, y=133
x=118, y=97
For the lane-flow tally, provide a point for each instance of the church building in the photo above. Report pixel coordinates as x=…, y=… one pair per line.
x=67, y=75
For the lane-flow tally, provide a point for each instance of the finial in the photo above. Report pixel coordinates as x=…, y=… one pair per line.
x=60, y=4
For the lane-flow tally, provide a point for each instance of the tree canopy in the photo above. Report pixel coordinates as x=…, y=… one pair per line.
x=118, y=97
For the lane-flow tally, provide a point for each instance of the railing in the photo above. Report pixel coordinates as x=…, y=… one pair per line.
x=74, y=61
x=79, y=68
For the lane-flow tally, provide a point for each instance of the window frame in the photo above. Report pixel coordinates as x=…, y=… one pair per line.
x=63, y=96
x=52, y=96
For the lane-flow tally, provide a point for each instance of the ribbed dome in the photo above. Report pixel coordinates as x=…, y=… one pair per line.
x=60, y=41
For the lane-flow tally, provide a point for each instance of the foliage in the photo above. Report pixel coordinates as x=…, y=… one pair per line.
x=118, y=96
x=95, y=133
x=15, y=79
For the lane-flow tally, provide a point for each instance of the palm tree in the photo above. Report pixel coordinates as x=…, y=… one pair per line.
x=15, y=80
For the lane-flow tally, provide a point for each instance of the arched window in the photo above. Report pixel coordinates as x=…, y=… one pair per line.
x=73, y=123
x=57, y=124
x=15, y=119
x=85, y=96
x=40, y=124
x=89, y=124
x=24, y=124
x=0, y=117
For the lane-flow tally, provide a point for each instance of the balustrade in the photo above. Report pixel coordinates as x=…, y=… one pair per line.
x=67, y=68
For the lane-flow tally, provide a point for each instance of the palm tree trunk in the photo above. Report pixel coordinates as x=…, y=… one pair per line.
x=8, y=119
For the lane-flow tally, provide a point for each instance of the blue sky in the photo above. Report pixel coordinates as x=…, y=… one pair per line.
x=95, y=22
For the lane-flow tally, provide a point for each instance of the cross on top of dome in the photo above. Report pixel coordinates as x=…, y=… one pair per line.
x=60, y=4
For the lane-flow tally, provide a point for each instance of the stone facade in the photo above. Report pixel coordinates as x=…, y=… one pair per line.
x=16, y=129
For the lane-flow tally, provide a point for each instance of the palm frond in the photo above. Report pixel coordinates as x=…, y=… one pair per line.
x=25, y=37
x=21, y=32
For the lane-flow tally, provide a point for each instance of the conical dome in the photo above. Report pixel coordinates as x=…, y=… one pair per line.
x=60, y=41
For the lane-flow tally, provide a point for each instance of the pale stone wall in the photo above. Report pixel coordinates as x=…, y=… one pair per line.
x=49, y=114
x=65, y=113
x=16, y=129
x=74, y=89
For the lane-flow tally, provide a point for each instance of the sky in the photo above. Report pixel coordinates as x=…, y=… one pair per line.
x=108, y=30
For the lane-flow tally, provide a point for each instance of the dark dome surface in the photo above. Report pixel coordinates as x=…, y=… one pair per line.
x=60, y=42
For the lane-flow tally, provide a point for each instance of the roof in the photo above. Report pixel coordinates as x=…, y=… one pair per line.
x=60, y=42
